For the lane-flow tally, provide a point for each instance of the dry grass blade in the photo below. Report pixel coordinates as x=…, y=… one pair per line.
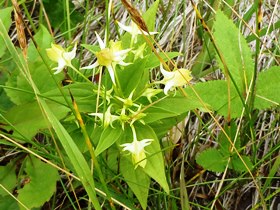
x=135, y=15
x=20, y=28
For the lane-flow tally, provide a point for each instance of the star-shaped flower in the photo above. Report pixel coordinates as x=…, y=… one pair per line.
x=59, y=55
x=109, y=56
x=136, y=148
x=150, y=93
x=134, y=30
x=175, y=78
x=107, y=118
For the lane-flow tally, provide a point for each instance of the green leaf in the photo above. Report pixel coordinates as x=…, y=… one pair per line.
x=8, y=178
x=150, y=16
x=43, y=40
x=22, y=91
x=268, y=88
x=136, y=179
x=131, y=76
x=43, y=178
x=235, y=51
x=28, y=118
x=237, y=165
x=165, y=108
x=153, y=61
x=8, y=203
x=215, y=95
x=155, y=163
x=79, y=163
x=83, y=94
x=5, y=17
x=211, y=159
x=75, y=156
x=108, y=137
x=161, y=127
x=224, y=143
x=5, y=66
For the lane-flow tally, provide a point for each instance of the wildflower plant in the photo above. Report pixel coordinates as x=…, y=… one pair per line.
x=121, y=119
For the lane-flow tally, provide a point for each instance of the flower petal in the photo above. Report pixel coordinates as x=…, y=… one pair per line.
x=92, y=66
x=136, y=148
x=68, y=56
x=166, y=74
x=112, y=73
x=124, y=27
x=100, y=42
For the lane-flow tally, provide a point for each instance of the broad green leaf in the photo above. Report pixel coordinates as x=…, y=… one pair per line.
x=8, y=203
x=136, y=179
x=237, y=165
x=6, y=66
x=171, y=106
x=76, y=134
x=224, y=143
x=83, y=94
x=43, y=41
x=22, y=92
x=214, y=95
x=108, y=137
x=112, y=157
x=150, y=16
x=161, y=127
x=235, y=51
x=131, y=76
x=155, y=163
x=268, y=88
x=8, y=178
x=43, y=178
x=38, y=70
x=5, y=17
x=28, y=118
x=76, y=158
x=211, y=159
x=153, y=61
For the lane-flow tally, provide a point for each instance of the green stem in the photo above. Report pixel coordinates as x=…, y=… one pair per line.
x=68, y=19
x=91, y=151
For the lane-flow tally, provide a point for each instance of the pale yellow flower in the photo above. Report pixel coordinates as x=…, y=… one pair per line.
x=58, y=54
x=107, y=118
x=134, y=30
x=109, y=57
x=150, y=93
x=175, y=78
x=136, y=148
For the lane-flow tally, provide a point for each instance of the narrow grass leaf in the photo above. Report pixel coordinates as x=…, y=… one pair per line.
x=5, y=16
x=79, y=163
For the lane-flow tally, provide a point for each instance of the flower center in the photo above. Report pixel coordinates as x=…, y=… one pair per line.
x=105, y=57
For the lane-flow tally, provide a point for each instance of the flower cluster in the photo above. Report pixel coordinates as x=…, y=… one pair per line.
x=119, y=109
